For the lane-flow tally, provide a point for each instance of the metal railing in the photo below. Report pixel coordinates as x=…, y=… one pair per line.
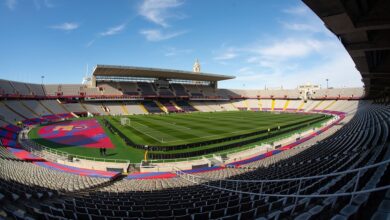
x=235, y=185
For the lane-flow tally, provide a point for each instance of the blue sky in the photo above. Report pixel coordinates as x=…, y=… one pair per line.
x=263, y=43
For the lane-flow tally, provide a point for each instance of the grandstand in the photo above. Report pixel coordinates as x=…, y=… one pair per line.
x=337, y=169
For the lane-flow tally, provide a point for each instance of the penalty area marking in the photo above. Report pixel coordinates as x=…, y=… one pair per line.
x=148, y=133
x=173, y=124
x=145, y=132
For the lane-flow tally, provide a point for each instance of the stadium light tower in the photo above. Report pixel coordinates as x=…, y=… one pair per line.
x=327, y=85
x=42, y=77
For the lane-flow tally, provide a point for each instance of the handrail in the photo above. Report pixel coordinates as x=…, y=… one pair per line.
x=298, y=178
x=208, y=181
x=298, y=195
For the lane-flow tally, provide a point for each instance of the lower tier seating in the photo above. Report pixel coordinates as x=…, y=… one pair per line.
x=363, y=141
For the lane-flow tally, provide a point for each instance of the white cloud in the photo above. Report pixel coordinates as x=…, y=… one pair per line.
x=292, y=47
x=48, y=3
x=227, y=55
x=67, y=26
x=245, y=71
x=297, y=10
x=302, y=27
x=340, y=70
x=276, y=50
x=172, y=51
x=157, y=11
x=113, y=30
x=90, y=43
x=11, y=4
x=158, y=35
x=292, y=61
x=43, y=3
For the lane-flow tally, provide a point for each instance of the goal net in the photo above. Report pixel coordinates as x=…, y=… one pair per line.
x=125, y=121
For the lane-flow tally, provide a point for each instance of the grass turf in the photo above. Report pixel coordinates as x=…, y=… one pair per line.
x=174, y=129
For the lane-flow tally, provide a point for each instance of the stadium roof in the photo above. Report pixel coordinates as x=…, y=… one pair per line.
x=130, y=71
x=363, y=27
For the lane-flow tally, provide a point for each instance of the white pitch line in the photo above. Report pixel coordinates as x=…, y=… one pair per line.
x=148, y=135
x=178, y=126
x=145, y=133
x=192, y=138
x=140, y=124
x=212, y=135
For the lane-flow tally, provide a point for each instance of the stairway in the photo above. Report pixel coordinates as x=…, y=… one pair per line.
x=124, y=109
x=176, y=106
x=143, y=108
x=260, y=105
x=301, y=106
x=161, y=106
x=286, y=105
x=316, y=106
x=330, y=105
x=273, y=105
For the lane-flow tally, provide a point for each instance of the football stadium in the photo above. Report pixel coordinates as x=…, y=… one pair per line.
x=156, y=143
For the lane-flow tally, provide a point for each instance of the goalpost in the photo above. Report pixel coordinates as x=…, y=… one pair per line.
x=125, y=121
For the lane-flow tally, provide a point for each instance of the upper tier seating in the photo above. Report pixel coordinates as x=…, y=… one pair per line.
x=281, y=93
x=129, y=88
x=36, y=89
x=6, y=87
x=226, y=93
x=336, y=93
x=194, y=90
x=109, y=88
x=64, y=89
x=92, y=92
x=165, y=92
x=179, y=90
x=208, y=91
x=147, y=89
x=21, y=88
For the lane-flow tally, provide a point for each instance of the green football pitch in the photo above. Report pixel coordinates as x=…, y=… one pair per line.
x=177, y=129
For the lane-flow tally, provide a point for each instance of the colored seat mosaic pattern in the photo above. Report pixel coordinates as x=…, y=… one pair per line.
x=83, y=133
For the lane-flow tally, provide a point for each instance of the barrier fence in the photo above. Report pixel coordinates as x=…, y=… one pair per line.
x=355, y=174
